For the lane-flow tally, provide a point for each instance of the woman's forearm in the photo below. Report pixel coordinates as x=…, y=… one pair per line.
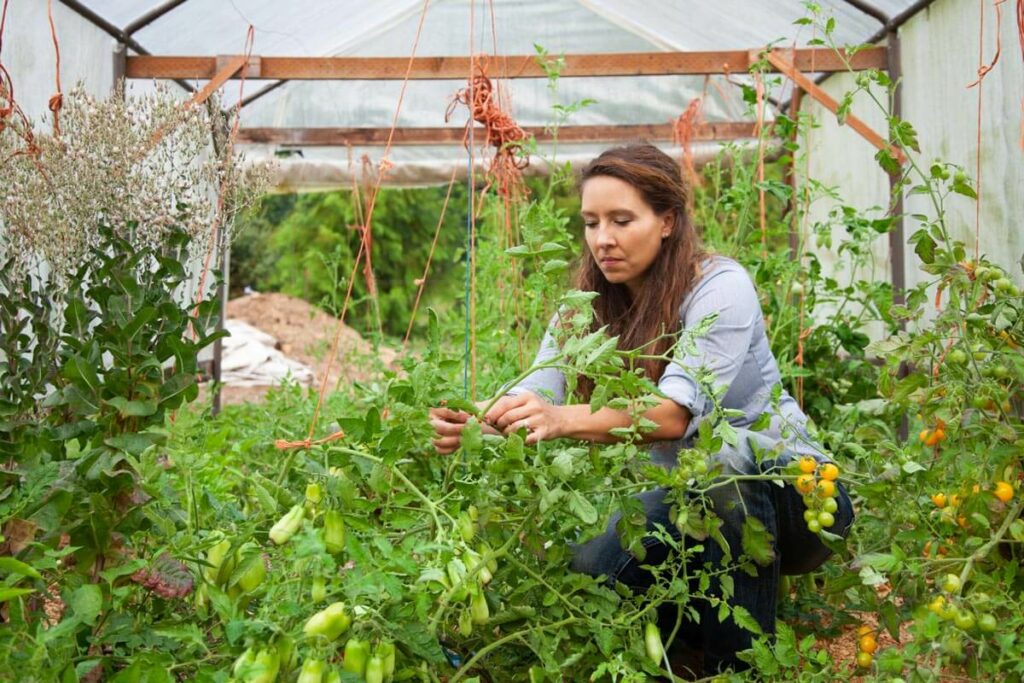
x=579, y=423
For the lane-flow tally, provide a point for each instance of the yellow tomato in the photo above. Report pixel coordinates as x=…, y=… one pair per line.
x=826, y=488
x=829, y=471
x=807, y=464
x=868, y=644
x=1003, y=491
x=939, y=499
x=805, y=483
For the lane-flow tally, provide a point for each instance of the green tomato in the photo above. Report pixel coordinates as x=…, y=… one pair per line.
x=810, y=514
x=386, y=651
x=987, y=623
x=953, y=646
x=951, y=583
x=826, y=519
x=478, y=608
x=830, y=505
x=957, y=356
x=964, y=620
x=330, y=622
x=312, y=671
x=288, y=525
x=652, y=642
x=318, y=591
x=374, y=670
x=356, y=653
x=814, y=526
x=334, y=532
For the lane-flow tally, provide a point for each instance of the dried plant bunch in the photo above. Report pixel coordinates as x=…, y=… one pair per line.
x=138, y=164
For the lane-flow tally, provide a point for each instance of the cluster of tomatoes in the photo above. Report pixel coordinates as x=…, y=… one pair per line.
x=933, y=437
x=867, y=645
x=817, y=483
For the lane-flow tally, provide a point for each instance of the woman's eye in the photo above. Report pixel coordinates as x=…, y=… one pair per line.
x=622, y=221
x=589, y=224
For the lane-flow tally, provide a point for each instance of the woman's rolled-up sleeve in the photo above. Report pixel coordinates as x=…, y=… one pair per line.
x=729, y=293
x=548, y=383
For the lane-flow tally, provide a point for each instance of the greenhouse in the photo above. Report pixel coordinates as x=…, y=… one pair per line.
x=511, y=340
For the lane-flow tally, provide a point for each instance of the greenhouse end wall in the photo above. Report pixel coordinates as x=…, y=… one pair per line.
x=939, y=49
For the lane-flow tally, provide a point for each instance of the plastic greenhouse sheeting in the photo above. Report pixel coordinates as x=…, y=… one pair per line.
x=508, y=27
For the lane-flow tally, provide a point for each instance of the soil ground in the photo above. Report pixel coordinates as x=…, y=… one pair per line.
x=305, y=333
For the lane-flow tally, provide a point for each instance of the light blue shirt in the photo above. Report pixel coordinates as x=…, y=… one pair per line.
x=735, y=350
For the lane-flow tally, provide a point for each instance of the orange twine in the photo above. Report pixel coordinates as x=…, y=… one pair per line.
x=1020, y=36
x=683, y=130
x=56, y=102
x=502, y=131
x=284, y=444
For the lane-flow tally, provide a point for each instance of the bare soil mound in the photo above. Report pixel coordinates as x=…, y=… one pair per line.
x=305, y=333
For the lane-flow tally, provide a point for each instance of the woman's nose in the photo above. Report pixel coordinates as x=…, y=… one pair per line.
x=605, y=236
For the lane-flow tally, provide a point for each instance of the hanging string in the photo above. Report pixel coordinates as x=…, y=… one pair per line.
x=469, y=341
x=759, y=132
x=1020, y=37
x=56, y=102
x=422, y=281
x=983, y=71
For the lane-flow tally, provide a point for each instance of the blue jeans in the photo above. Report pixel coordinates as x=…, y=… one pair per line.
x=781, y=509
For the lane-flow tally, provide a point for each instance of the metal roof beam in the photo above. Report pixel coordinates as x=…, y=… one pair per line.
x=118, y=34
x=870, y=10
x=151, y=16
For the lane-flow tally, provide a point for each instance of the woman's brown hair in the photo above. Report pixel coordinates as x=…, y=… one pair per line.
x=651, y=320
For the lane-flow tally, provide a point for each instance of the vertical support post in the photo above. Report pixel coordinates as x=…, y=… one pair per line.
x=223, y=245
x=118, y=56
x=791, y=175
x=897, y=238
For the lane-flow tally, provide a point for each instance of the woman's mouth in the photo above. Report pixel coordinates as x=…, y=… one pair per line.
x=608, y=261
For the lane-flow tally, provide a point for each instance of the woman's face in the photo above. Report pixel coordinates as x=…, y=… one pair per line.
x=622, y=230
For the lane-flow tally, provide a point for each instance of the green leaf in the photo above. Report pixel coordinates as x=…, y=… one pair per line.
x=742, y=617
x=11, y=593
x=10, y=565
x=472, y=437
x=757, y=542
x=416, y=638
x=582, y=508
x=86, y=603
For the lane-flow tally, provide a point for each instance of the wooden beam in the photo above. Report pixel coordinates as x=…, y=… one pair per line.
x=776, y=58
x=336, y=137
x=226, y=68
x=518, y=66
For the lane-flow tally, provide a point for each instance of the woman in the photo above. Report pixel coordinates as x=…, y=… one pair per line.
x=645, y=261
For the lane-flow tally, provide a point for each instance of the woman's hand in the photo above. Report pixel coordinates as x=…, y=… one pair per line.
x=526, y=411
x=448, y=425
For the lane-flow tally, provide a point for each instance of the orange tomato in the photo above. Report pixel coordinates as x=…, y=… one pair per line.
x=868, y=644
x=804, y=483
x=826, y=489
x=829, y=472
x=939, y=499
x=1003, y=491
x=925, y=436
x=864, y=630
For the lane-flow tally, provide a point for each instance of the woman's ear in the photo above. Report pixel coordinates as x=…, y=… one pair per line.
x=668, y=221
